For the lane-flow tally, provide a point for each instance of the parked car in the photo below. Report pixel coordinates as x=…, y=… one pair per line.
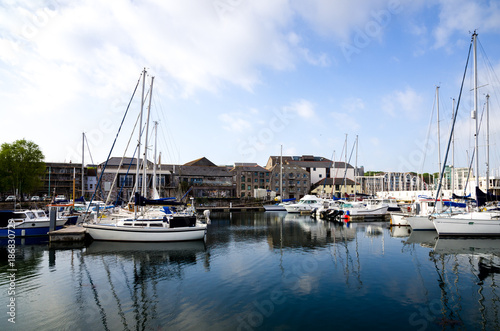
x=60, y=197
x=35, y=198
x=10, y=198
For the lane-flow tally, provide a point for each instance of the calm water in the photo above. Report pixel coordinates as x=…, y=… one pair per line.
x=265, y=271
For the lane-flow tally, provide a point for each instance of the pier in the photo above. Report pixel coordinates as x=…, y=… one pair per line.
x=68, y=234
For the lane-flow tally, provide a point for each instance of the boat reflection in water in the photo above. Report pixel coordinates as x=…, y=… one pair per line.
x=262, y=271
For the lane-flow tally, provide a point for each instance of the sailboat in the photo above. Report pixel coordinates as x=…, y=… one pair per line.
x=475, y=223
x=152, y=226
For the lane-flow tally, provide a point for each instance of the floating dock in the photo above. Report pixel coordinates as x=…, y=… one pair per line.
x=68, y=234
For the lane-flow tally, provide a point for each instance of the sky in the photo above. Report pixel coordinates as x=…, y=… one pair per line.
x=239, y=80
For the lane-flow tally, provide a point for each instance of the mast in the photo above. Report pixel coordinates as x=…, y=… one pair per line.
x=356, y=169
x=474, y=114
x=487, y=142
x=345, y=167
x=154, y=159
x=144, y=176
x=83, y=163
x=453, y=152
x=281, y=174
x=74, y=180
x=438, y=135
x=139, y=140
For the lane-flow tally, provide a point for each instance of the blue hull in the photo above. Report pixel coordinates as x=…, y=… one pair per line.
x=29, y=232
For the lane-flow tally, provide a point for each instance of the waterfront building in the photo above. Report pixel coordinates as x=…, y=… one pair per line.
x=119, y=178
x=334, y=187
x=58, y=180
x=295, y=181
x=206, y=180
x=248, y=178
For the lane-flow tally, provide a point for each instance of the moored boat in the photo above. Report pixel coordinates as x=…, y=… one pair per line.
x=23, y=223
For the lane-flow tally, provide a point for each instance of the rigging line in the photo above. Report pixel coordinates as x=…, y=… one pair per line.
x=473, y=155
x=428, y=134
x=345, y=172
x=341, y=153
x=121, y=162
x=169, y=141
x=114, y=142
x=452, y=129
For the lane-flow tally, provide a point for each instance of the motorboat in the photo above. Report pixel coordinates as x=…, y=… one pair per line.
x=23, y=223
x=306, y=204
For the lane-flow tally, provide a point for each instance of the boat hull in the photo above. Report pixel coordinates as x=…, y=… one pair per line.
x=469, y=227
x=26, y=232
x=112, y=232
x=274, y=208
x=372, y=212
x=398, y=219
x=421, y=223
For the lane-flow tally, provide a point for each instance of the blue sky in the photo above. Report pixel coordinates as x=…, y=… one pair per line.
x=236, y=79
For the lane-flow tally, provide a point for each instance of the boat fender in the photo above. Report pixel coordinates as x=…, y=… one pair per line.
x=206, y=213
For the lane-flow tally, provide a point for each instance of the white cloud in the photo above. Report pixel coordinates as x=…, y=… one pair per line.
x=302, y=108
x=341, y=18
x=353, y=105
x=403, y=103
x=465, y=16
x=235, y=123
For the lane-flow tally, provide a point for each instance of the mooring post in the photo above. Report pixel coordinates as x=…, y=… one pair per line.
x=52, y=216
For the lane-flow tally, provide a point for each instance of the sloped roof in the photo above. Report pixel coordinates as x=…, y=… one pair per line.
x=201, y=162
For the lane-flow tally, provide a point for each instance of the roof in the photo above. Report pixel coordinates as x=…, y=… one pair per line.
x=255, y=167
x=204, y=171
x=335, y=181
x=203, y=161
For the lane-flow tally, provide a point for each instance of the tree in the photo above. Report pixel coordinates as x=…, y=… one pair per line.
x=21, y=167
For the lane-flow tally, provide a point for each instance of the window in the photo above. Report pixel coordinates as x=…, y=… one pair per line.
x=320, y=176
x=127, y=180
x=243, y=186
x=256, y=180
x=249, y=187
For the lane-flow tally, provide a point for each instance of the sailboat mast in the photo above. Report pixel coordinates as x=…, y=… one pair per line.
x=83, y=163
x=154, y=160
x=487, y=142
x=345, y=166
x=356, y=169
x=474, y=39
x=281, y=174
x=453, y=151
x=144, y=176
x=438, y=134
x=139, y=140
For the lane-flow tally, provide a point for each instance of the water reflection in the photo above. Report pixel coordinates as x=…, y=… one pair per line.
x=305, y=272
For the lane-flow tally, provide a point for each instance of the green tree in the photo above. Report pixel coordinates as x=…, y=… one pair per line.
x=21, y=167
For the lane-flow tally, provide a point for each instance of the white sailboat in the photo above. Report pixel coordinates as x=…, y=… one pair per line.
x=475, y=223
x=144, y=226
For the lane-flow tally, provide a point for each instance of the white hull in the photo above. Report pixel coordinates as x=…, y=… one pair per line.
x=299, y=209
x=419, y=223
x=374, y=212
x=274, y=208
x=112, y=232
x=477, y=224
x=399, y=219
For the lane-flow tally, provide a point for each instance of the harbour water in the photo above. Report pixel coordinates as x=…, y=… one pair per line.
x=259, y=271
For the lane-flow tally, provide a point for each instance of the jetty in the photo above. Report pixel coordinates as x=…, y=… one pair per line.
x=68, y=234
